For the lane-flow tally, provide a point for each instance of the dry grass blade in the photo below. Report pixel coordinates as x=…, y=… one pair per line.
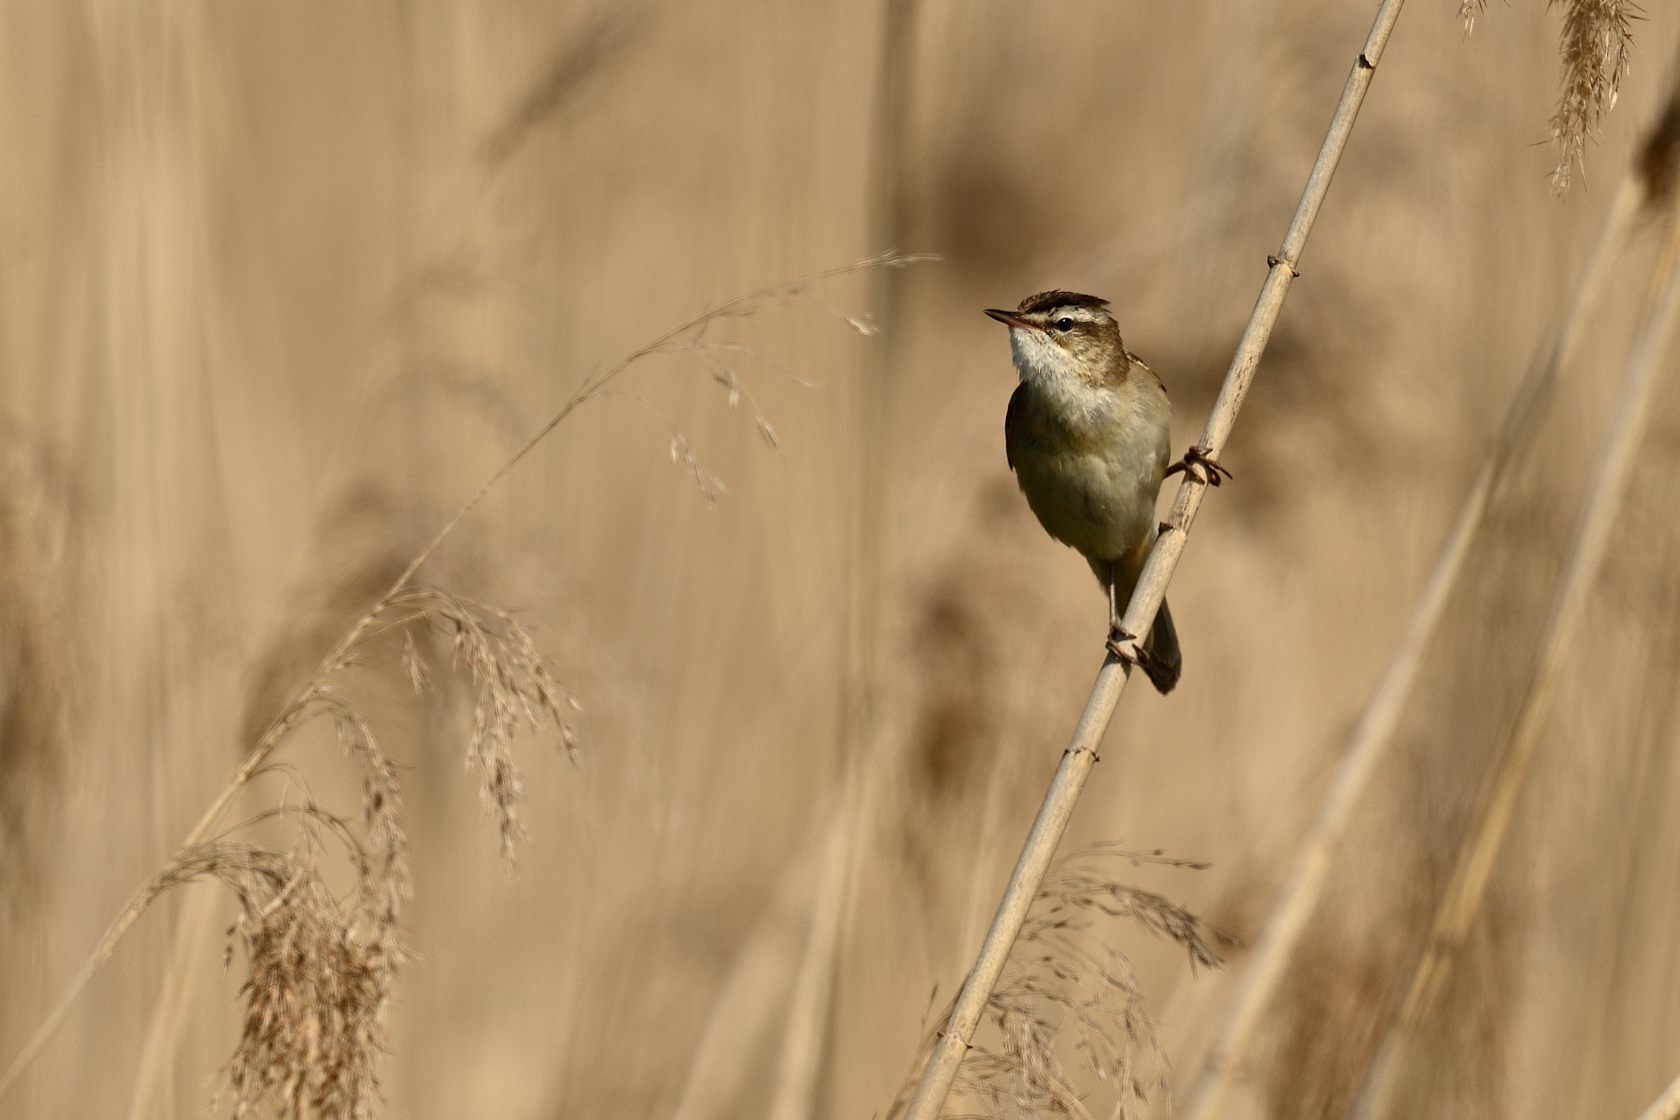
x=1461, y=900
x=1053, y=816
x=513, y=682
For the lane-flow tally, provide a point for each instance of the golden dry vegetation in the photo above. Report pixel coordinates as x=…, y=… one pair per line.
x=281, y=285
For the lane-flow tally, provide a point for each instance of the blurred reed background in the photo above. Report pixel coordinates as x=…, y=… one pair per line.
x=281, y=285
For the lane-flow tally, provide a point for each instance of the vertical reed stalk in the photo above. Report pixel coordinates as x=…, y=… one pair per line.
x=870, y=593
x=1374, y=733
x=1461, y=900
x=1081, y=754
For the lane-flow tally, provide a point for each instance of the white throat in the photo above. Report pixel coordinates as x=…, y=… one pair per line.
x=1038, y=359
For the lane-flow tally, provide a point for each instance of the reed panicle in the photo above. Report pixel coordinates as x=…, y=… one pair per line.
x=1069, y=990
x=1595, y=47
x=514, y=685
x=321, y=970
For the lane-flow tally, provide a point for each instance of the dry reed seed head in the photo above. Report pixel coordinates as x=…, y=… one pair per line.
x=710, y=485
x=389, y=883
x=726, y=376
x=1068, y=991
x=1595, y=45
x=419, y=673
x=691, y=336
x=321, y=975
x=514, y=690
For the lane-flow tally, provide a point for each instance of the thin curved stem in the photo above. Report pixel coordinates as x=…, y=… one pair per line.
x=339, y=656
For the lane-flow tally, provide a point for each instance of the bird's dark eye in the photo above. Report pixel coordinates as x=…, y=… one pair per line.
x=1064, y=325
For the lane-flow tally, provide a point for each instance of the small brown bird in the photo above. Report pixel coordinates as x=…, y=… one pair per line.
x=1087, y=436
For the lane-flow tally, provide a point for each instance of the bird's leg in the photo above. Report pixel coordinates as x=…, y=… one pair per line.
x=1199, y=465
x=1116, y=632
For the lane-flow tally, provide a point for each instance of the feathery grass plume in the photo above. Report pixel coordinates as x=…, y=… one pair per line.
x=320, y=970
x=514, y=688
x=1595, y=46
x=1069, y=988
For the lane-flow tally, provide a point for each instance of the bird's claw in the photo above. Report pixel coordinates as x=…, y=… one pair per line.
x=1116, y=637
x=1137, y=655
x=1199, y=465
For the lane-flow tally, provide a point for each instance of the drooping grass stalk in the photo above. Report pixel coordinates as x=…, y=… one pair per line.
x=1081, y=754
x=1374, y=733
x=1666, y=1106
x=304, y=703
x=1461, y=901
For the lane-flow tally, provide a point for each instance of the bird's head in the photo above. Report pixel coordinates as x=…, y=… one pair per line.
x=1057, y=335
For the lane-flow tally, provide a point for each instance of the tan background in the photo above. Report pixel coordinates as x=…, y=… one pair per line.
x=280, y=284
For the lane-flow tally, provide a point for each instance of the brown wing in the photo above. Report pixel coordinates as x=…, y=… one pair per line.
x=1013, y=421
x=1133, y=362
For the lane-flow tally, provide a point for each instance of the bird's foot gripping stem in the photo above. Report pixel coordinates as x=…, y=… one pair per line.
x=1136, y=655
x=1199, y=465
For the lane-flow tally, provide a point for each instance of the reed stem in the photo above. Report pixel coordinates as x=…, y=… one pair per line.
x=1081, y=755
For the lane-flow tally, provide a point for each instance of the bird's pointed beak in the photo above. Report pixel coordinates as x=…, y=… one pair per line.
x=1010, y=319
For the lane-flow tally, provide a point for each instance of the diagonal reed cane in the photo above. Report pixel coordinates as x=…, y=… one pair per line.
x=1461, y=900
x=1024, y=883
